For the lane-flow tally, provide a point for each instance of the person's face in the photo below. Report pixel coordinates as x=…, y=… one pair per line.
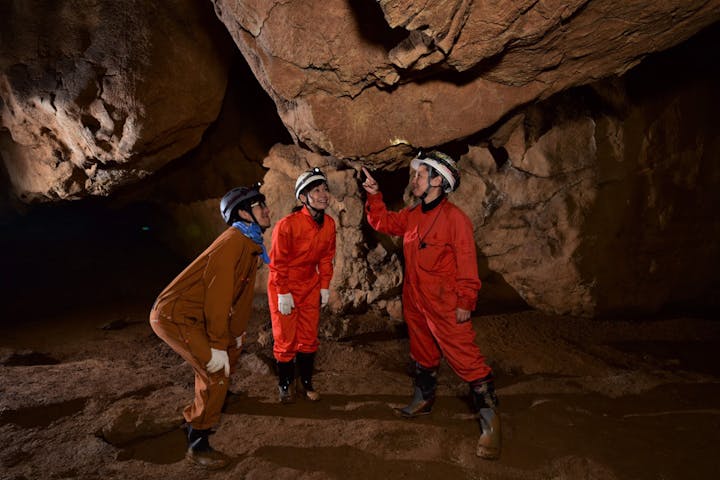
x=421, y=181
x=318, y=197
x=261, y=212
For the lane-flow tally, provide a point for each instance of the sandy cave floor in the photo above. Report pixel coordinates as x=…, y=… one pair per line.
x=91, y=394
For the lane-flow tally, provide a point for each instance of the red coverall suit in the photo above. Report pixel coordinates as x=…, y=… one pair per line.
x=439, y=278
x=207, y=306
x=301, y=263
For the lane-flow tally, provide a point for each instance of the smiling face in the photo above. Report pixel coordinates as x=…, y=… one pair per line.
x=262, y=214
x=317, y=198
x=260, y=211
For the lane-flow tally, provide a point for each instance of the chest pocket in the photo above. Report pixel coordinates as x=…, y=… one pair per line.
x=436, y=256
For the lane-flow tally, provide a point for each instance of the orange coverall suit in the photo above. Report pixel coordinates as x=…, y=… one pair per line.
x=207, y=306
x=301, y=263
x=439, y=277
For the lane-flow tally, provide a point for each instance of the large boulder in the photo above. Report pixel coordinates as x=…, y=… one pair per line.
x=94, y=95
x=353, y=80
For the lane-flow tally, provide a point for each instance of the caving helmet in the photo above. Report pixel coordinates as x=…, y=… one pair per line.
x=240, y=198
x=309, y=180
x=440, y=164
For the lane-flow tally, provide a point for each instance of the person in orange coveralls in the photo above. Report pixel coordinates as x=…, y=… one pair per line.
x=202, y=314
x=440, y=290
x=301, y=266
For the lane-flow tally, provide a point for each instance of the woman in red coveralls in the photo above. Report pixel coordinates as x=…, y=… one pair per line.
x=301, y=266
x=439, y=290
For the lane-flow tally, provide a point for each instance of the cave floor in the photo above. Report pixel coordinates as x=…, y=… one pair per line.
x=92, y=393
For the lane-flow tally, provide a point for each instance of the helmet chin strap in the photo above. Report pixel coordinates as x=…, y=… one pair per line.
x=316, y=213
x=313, y=211
x=254, y=220
x=431, y=175
x=427, y=191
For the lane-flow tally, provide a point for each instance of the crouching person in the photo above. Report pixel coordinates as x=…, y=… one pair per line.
x=203, y=313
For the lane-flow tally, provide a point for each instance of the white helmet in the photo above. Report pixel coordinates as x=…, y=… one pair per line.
x=443, y=165
x=305, y=179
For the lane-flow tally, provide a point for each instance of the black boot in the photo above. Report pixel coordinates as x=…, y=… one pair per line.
x=306, y=364
x=201, y=453
x=286, y=375
x=423, y=393
x=485, y=404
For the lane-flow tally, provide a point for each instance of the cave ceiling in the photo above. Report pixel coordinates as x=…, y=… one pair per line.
x=95, y=95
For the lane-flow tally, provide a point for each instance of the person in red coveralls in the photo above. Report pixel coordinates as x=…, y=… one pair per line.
x=301, y=267
x=203, y=313
x=440, y=290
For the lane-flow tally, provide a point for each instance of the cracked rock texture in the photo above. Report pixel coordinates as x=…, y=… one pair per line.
x=585, y=130
x=96, y=95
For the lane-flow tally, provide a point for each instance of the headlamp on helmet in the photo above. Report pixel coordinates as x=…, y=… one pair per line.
x=440, y=164
x=307, y=180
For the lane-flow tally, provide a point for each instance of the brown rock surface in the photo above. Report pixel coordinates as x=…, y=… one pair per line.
x=581, y=197
x=328, y=68
x=100, y=94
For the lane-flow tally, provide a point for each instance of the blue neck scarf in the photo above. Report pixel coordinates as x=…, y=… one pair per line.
x=254, y=233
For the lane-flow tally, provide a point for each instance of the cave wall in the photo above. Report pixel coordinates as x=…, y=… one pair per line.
x=584, y=130
x=96, y=95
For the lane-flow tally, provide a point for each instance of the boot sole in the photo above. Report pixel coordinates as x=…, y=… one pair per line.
x=207, y=466
x=399, y=412
x=488, y=454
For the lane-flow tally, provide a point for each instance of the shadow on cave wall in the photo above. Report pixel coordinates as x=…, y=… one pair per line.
x=81, y=255
x=651, y=241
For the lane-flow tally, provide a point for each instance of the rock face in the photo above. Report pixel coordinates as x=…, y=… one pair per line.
x=95, y=95
x=346, y=84
x=587, y=174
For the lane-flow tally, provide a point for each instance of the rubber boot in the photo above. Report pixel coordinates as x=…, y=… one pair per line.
x=423, y=393
x=485, y=403
x=286, y=376
x=306, y=365
x=201, y=453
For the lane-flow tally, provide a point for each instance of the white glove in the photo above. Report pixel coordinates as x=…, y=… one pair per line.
x=324, y=296
x=218, y=360
x=239, y=341
x=285, y=303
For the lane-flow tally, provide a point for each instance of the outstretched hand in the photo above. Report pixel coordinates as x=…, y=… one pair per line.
x=370, y=184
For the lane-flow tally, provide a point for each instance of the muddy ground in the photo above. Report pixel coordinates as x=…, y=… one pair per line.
x=94, y=394
x=88, y=392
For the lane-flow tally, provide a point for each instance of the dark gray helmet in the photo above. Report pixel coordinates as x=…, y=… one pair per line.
x=239, y=198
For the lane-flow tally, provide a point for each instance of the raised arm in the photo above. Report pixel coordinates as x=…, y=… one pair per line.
x=378, y=216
